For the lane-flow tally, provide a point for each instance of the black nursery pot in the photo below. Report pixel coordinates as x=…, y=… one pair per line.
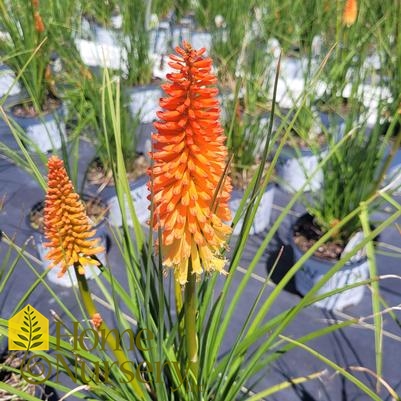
x=314, y=270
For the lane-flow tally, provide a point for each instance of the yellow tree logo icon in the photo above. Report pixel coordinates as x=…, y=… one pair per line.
x=28, y=330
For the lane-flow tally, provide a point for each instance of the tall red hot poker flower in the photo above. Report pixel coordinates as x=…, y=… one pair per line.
x=189, y=159
x=350, y=12
x=67, y=226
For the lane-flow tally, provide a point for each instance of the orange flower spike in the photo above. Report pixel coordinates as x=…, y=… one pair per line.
x=39, y=25
x=67, y=227
x=189, y=157
x=350, y=12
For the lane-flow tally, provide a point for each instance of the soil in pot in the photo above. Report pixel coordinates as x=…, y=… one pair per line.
x=305, y=234
x=27, y=109
x=97, y=211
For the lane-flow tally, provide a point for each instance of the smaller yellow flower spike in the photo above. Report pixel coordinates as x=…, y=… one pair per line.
x=67, y=226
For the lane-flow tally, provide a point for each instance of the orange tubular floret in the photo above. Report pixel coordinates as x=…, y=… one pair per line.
x=189, y=157
x=67, y=227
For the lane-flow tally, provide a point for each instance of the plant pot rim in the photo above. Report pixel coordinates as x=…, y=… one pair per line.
x=327, y=262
